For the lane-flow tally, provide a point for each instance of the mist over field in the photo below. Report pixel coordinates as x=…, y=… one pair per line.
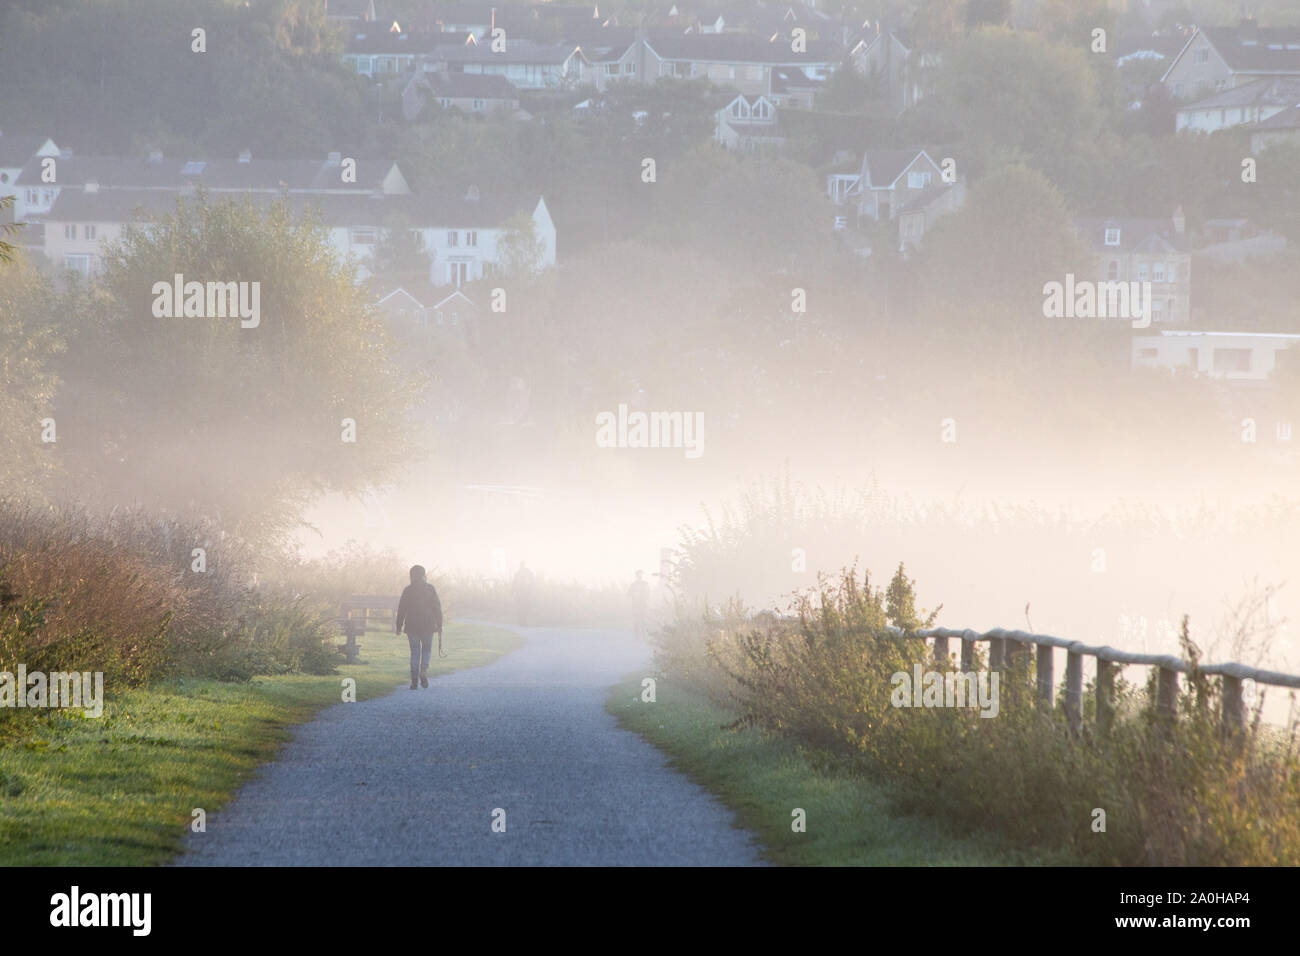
x=881, y=315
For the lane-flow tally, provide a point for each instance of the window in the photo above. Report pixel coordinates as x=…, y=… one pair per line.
x=47, y=196
x=458, y=272
x=363, y=64
x=478, y=104
x=918, y=180
x=1158, y=272
x=1201, y=56
x=33, y=196
x=1142, y=272
x=1112, y=237
x=1232, y=360
x=70, y=231
x=471, y=237
x=453, y=238
x=363, y=235
x=760, y=109
x=629, y=67
x=611, y=69
x=79, y=264
x=88, y=231
x=1112, y=270
x=1148, y=355
x=1171, y=273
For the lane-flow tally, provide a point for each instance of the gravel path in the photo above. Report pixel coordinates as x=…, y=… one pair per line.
x=413, y=778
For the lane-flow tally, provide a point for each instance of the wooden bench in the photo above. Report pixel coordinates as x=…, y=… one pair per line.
x=354, y=615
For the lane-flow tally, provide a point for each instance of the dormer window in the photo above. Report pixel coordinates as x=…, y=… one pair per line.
x=918, y=180
x=760, y=110
x=1112, y=236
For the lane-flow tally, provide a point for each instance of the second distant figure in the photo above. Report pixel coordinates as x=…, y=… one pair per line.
x=420, y=611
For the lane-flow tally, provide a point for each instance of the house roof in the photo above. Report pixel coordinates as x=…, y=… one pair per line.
x=1275, y=50
x=488, y=86
x=411, y=43
x=16, y=150
x=1135, y=235
x=113, y=205
x=1274, y=91
x=738, y=48
x=516, y=52
x=434, y=210
x=884, y=166
x=1288, y=118
x=920, y=199
x=169, y=173
x=787, y=78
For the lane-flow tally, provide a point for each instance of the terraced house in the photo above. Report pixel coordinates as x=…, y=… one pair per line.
x=460, y=228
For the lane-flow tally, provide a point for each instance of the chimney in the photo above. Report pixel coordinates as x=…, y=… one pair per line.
x=471, y=194
x=1248, y=31
x=245, y=156
x=334, y=159
x=1180, y=222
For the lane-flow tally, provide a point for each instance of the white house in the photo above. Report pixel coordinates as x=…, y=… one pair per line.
x=1235, y=356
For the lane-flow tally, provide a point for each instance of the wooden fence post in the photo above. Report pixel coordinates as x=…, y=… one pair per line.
x=967, y=655
x=1234, y=710
x=1045, y=673
x=997, y=645
x=941, y=650
x=1074, y=690
x=1105, y=694
x=1167, y=692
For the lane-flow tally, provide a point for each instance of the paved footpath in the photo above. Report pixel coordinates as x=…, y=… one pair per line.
x=413, y=778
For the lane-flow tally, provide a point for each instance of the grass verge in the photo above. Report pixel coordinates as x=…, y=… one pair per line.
x=763, y=778
x=119, y=790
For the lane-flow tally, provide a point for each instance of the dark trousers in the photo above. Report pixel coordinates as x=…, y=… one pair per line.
x=421, y=647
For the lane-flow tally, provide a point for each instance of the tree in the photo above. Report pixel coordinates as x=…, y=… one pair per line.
x=27, y=346
x=1015, y=96
x=520, y=249
x=8, y=249
x=202, y=414
x=400, y=249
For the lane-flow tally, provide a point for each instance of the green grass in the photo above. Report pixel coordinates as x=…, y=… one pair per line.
x=763, y=778
x=119, y=790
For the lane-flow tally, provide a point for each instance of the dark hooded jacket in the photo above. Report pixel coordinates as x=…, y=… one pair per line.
x=419, y=609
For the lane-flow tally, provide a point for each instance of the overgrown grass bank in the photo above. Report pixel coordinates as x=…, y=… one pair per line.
x=764, y=777
x=120, y=790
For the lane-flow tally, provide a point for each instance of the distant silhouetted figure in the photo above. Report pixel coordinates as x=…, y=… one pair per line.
x=421, y=612
x=639, y=592
x=523, y=587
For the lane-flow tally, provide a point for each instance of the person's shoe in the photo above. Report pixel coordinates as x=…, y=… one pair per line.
x=424, y=681
x=414, y=686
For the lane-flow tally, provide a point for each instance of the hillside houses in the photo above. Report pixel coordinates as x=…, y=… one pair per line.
x=1145, y=250
x=95, y=198
x=902, y=186
x=1248, y=104
x=1220, y=58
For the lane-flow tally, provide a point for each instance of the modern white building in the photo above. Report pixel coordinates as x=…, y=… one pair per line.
x=1238, y=356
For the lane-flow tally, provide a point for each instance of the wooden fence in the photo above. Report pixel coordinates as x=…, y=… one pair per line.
x=1005, y=648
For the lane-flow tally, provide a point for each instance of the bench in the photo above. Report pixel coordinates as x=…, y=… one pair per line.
x=354, y=614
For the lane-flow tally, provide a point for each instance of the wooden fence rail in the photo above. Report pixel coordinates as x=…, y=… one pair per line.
x=1005, y=648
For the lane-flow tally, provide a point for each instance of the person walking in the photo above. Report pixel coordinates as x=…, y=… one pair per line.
x=420, y=611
